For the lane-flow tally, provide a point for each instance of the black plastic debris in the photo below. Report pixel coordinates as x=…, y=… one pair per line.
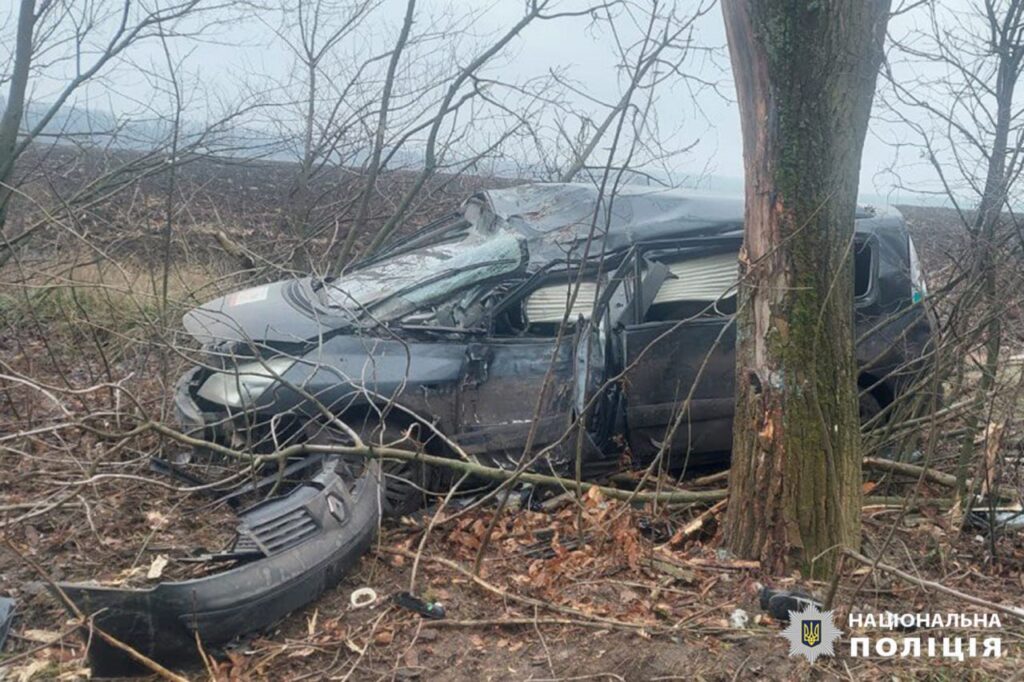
x=778, y=603
x=999, y=519
x=6, y=618
x=286, y=552
x=655, y=530
x=431, y=610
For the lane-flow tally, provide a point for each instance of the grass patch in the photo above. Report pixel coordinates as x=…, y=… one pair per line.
x=110, y=300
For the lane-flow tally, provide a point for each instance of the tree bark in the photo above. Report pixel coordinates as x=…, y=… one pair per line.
x=10, y=122
x=805, y=74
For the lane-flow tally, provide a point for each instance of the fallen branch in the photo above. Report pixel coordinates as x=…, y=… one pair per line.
x=694, y=526
x=914, y=471
x=496, y=474
x=58, y=640
x=490, y=473
x=938, y=587
x=232, y=248
x=517, y=622
x=717, y=477
x=900, y=502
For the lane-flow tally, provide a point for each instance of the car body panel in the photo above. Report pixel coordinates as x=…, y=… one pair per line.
x=481, y=387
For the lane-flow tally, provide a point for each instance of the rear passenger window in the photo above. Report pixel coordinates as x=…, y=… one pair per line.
x=707, y=285
x=697, y=286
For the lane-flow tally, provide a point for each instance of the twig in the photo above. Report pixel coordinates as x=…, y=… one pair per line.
x=494, y=589
x=516, y=622
x=694, y=526
x=59, y=639
x=491, y=473
x=834, y=584
x=938, y=587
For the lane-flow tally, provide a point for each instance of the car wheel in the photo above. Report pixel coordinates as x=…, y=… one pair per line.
x=869, y=407
x=406, y=484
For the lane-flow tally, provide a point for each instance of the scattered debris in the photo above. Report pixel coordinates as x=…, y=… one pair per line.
x=326, y=523
x=1005, y=519
x=739, y=619
x=779, y=603
x=431, y=610
x=6, y=618
x=156, y=569
x=654, y=530
x=364, y=596
x=694, y=527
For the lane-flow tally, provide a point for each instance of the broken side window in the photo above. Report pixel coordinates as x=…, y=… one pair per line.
x=697, y=286
x=540, y=312
x=707, y=285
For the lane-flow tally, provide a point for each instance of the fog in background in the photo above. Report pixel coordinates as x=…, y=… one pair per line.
x=240, y=53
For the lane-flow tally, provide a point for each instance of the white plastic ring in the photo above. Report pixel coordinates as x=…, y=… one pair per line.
x=362, y=597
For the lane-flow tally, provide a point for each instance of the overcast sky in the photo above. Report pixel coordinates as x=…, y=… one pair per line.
x=220, y=63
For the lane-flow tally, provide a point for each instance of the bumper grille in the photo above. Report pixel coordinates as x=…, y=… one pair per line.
x=275, y=535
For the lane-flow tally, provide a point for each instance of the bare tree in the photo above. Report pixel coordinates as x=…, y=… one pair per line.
x=952, y=82
x=660, y=55
x=80, y=42
x=374, y=168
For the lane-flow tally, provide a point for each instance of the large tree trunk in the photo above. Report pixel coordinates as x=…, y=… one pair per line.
x=805, y=75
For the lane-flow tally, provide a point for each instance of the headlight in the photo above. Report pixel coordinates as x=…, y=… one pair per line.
x=245, y=383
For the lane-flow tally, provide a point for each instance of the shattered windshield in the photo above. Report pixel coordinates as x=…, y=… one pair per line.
x=406, y=282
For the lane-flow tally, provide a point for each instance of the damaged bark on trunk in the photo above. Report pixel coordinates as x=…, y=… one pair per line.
x=805, y=76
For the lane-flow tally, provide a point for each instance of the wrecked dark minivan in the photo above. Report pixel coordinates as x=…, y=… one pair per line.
x=488, y=332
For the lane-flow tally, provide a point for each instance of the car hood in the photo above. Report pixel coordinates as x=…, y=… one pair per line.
x=270, y=313
x=299, y=310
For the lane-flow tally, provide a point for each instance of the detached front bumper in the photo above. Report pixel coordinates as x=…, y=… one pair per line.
x=287, y=552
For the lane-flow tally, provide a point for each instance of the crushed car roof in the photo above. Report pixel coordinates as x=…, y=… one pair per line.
x=564, y=213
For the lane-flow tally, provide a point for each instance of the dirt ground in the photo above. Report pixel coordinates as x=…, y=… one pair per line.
x=643, y=598
x=630, y=604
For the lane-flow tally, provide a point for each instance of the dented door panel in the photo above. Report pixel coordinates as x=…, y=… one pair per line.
x=670, y=360
x=499, y=390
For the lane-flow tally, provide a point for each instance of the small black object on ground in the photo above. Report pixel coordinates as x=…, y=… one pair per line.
x=431, y=610
x=778, y=603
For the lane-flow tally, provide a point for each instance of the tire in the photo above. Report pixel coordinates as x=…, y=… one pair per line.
x=869, y=407
x=405, y=484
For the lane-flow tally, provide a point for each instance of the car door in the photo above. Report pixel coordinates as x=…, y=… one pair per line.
x=505, y=372
x=679, y=358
